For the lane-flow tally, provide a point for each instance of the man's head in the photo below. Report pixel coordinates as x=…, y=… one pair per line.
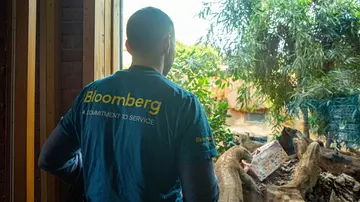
x=151, y=38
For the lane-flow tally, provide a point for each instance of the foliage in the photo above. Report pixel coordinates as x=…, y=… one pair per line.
x=292, y=51
x=197, y=69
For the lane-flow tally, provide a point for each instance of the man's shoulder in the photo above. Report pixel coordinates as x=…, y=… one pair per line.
x=103, y=81
x=179, y=92
x=165, y=87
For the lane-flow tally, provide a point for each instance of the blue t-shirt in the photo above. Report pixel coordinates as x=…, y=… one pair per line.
x=133, y=128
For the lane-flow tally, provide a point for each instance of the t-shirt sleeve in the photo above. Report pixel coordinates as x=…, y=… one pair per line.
x=196, y=139
x=68, y=123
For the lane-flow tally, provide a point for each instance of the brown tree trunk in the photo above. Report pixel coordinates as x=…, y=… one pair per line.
x=328, y=141
x=305, y=113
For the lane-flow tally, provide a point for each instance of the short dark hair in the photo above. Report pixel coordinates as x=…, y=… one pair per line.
x=146, y=28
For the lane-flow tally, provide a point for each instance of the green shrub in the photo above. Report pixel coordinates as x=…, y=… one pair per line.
x=197, y=69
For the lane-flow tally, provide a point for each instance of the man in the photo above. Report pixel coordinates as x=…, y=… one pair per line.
x=135, y=135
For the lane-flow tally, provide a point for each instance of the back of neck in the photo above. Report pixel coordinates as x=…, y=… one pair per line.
x=157, y=67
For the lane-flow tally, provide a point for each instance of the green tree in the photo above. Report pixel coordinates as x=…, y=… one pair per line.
x=292, y=51
x=197, y=69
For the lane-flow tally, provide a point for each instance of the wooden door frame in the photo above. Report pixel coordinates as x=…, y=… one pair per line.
x=23, y=99
x=101, y=39
x=49, y=56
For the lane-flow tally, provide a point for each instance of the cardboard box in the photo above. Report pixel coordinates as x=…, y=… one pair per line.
x=267, y=159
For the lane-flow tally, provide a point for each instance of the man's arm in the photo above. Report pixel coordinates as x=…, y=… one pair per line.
x=194, y=156
x=199, y=181
x=60, y=156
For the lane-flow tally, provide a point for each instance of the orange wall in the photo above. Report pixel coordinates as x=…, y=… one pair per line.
x=237, y=121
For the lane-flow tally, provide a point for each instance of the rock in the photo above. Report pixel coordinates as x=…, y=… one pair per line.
x=286, y=140
x=338, y=163
x=300, y=147
x=281, y=176
x=283, y=194
x=334, y=198
x=329, y=187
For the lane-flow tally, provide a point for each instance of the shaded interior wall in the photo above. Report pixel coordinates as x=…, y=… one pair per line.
x=71, y=52
x=5, y=69
x=71, y=67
